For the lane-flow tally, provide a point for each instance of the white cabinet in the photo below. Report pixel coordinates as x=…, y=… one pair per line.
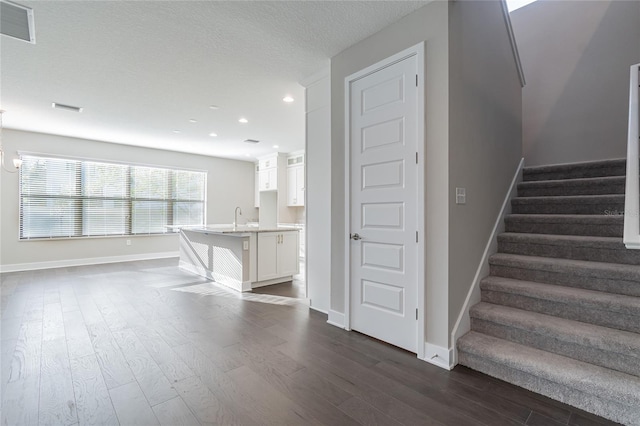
x=295, y=186
x=277, y=254
x=268, y=179
x=256, y=198
x=268, y=173
x=295, y=180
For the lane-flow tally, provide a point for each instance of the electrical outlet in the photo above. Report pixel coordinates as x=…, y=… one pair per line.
x=128, y=242
x=461, y=196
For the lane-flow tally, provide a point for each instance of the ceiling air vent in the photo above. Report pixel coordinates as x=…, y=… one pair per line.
x=17, y=21
x=251, y=141
x=66, y=107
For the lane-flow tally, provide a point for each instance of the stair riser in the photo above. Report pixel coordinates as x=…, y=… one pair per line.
x=612, y=410
x=606, y=208
x=570, y=190
x=575, y=172
x=569, y=279
x=616, y=361
x=609, y=230
x=576, y=312
x=610, y=255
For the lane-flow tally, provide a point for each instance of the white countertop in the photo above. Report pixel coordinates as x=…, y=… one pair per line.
x=238, y=230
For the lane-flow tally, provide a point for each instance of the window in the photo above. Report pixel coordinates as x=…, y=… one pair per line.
x=80, y=198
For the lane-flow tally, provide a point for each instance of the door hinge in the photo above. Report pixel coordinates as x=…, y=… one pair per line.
x=416, y=158
x=416, y=80
x=416, y=236
x=416, y=313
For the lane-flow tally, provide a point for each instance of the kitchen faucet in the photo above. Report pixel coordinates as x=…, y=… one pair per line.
x=235, y=216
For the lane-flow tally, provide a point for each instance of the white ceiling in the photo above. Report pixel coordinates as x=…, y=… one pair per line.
x=142, y=69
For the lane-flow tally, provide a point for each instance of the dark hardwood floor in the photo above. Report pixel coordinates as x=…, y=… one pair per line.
x=145, y=343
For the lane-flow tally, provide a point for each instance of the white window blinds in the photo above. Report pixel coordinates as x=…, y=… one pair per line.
x=77, y=198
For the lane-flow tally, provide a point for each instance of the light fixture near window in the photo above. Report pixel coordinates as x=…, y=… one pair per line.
x=17, y=162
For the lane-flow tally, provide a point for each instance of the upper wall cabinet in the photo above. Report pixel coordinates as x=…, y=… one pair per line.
x=268, y=173
x=256, y=201
x=295, y=180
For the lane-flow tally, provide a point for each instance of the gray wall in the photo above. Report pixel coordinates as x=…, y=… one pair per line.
x=221, y=199
x=485, y=143
x=576, y=57
x=426, y=24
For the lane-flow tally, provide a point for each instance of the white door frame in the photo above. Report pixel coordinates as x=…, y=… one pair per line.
x=418, y=52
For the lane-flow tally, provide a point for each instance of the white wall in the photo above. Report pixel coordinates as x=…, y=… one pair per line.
x=318, y=190
x=485, y=135
x=427, y=24
x=576, y=57
x=230, y=183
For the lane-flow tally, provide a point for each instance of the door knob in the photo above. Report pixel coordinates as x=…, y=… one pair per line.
x=355, y=236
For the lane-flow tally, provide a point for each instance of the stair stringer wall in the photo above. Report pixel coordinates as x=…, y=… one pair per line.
x=463, y=323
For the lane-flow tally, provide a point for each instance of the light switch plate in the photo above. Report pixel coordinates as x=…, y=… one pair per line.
x=461, y=196
x=245, y=245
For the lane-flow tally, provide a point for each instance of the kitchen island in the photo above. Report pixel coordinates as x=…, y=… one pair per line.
x=240, y=257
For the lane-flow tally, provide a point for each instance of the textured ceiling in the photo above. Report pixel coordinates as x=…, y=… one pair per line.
x=142, y=69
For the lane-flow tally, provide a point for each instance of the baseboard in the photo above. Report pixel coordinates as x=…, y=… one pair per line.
x=322, y=311
x=463, y=324
x=439, y=356
x=83, y=262
x=336, y=319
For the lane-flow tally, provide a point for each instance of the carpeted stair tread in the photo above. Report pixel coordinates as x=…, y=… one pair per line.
x=560, y=311
x=615, y=167
x=600, y=276
x=593, y=388
x=566, y=224
x=594, y=307
x=604, y=346
x=582, y=186
x=577, y=247
x=574, y=204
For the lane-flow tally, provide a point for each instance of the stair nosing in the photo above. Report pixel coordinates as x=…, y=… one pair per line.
x=565, y=238
x=586, y=264
x=562, y=327
x=592, y=374
x=569, y=197
x=570, y=181
x=591, y=298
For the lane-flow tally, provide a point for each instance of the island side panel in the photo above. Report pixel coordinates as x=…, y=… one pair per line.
x=215, y=256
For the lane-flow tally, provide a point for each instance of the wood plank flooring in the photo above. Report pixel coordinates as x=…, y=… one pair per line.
x=146, y=343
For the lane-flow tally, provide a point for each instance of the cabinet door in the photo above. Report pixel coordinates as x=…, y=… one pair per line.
x=292, y=187
x=295, y=186
x=288, y=253
x=268, y=179
x=300, y=186
x=273, y=179
x=256, y=198
x=267, y=255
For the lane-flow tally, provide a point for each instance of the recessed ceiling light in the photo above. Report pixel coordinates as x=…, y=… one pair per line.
x=247, y=155
x=192, y=120
x=213, y=135
x=243, y=120
x=214, y=107
x=177, y=131
x=276, y=146
x=287, y=99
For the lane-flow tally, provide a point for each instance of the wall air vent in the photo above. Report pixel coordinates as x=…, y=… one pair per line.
x=66, y=107
x=251, y=141
x=17, y=21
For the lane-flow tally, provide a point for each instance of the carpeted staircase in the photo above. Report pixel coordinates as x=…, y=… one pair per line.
x=560, y=311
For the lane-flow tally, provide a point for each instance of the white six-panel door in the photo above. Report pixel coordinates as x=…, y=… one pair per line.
x=383, y=133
